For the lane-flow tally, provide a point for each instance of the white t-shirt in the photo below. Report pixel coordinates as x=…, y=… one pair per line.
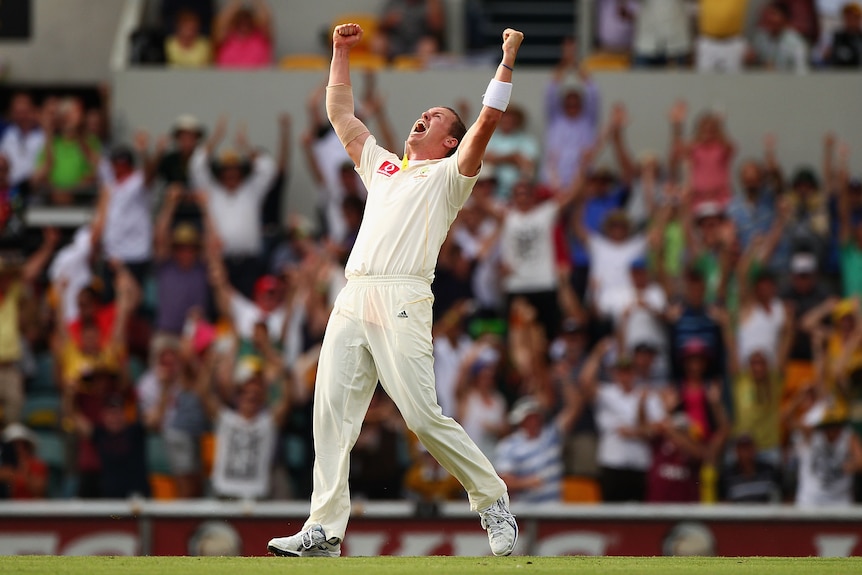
x=243, y=457
x=408, y=213
x=760, y=330
x=610, y=267
x=527, y=244
x=22, y=151
x=486, y=280
x=245, y=315
x=128, y=234
x=616, y=409
x=822, y=479
x=330, y=155
x=479, y=415
x=236, y=214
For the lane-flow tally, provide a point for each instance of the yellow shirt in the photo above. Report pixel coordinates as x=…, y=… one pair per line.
x=722, y=18
x=74, y=362
x=757, y=413
x=10, y=336
x=199, y=55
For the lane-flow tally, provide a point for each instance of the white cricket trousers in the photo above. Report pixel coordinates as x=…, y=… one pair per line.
x=380, y=328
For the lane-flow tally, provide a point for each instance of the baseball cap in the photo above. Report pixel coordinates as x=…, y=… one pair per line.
x=695, y=346
x=708, y=210
x=803, y=263
x=805, y=176
x=264, y=284
x=645, y=346
x=185, y=234
x=523, y=407
x=187, y=123
x=247, y=367
x=18, y=431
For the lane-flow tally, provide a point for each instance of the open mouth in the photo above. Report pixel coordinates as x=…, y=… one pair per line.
x=419, y=127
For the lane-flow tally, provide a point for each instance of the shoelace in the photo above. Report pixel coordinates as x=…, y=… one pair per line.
x=494, y=519
x=308, y=539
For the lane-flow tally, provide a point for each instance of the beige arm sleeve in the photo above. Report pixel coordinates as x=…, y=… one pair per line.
x=339, y=110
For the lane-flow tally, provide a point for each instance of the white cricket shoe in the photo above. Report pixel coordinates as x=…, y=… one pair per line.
x=310, y=542
x=501, y=526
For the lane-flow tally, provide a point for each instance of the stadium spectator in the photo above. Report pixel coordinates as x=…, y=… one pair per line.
x=481, y=408
x=203, y=9
x=530, y=459
x=804, y=18
x=776, y=45
x=234, y=198
x=662, y=34
x=173, y=166
x=753, y=208
x=623, y=450
x=451, y=346
x=409, y=26
x=615, y=23
x=757, y=394
x=809, y=223
x=721, y=44
x=572, y=119
x=829, y=454
x=709, y=155
x=123, y=225
x=187, y=47
x=16, y=282
x=13, y=203
x=512, y=152
x=181, y=276
x=121, y=448
x=850, y=238
x=23, y=140
x=243, y=35
x=639, y=321
x=22, y=474
x=428, y=482
x=845, y=49
x=245, y=427
x=749, y=479
x=69, y=160
x=376, y=470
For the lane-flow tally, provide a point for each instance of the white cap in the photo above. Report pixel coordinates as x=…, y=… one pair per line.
x=16, y=431
x=708, y=210
x=803, y=263
x=522, y=408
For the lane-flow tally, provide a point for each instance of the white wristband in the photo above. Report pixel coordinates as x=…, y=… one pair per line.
x=497, y=95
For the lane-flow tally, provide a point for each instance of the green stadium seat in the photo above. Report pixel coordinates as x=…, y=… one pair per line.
x=41, y=411
x=43, y=380
x=157, y=457
x=51, y=448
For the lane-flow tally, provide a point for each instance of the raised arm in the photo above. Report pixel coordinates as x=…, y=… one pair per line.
x=284, y=147
x=339, y=92
x=617, y=129
x=162, y=231
x=476, y=139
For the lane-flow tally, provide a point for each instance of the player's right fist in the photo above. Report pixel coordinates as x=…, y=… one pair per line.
x=512, y=40
x=346, y=35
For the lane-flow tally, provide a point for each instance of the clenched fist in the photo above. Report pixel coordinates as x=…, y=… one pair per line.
x=346, y=35
x=512, y=40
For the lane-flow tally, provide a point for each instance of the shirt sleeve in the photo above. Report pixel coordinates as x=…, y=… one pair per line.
x=371, y=156
x=201, y=176
x=460, y=185
x=262, y=175
x=503, y=462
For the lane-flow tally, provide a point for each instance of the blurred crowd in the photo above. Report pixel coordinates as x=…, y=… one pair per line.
x=679, y=327
x=708, y=35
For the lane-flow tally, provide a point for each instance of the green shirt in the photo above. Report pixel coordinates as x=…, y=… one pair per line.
x=71, y=165
x=851, y=269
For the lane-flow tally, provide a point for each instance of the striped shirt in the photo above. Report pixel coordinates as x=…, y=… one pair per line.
x=522, y=456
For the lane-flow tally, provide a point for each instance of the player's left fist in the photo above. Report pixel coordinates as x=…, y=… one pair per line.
x=512, y=40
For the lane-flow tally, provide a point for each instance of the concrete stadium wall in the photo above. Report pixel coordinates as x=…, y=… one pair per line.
x=71, y=41
x=797, y=109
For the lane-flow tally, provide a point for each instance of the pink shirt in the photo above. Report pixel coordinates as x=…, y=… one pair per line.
x=252, y=51
x=710, y=172
x=695, y=403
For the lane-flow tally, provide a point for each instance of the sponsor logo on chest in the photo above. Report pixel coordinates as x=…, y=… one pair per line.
x=388, y=169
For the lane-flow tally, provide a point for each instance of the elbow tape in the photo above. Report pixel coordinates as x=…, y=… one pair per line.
x=339, y=110
x=497, y=95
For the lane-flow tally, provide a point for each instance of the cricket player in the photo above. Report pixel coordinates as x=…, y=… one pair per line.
x=380, y=327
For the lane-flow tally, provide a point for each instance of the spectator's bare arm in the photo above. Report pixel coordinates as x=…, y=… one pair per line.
x=222, y=290
x=263, y=17
x=284, y=147
x=162, y=230
x=310, y=159
x=845, y=219
x=148, y=164
x=128, y=298
x=223, y=20
x=36, y=263
x=678, y=146
x=617, y=129
x=813, y=319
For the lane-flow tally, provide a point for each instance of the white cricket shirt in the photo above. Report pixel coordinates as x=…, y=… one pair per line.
x=408, y=213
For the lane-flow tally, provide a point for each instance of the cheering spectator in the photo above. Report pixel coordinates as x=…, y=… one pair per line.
x=804, y=18
x=709, y=156
x=837, y=347
x=623, y=451
x=749, y=479
x=530, y=459
x=376, y=470
x=121, y=448
x=180, y=274
x=22, y=474
x=757, y=390
x=23, y=140
x=776, y=45
x=123, y=223
x=845, y=51
x=69, y=160
x=829, y=454
x=245, y=428
x=662, y=33
x=187, y=47
x=572, y=112
x=512, y=152
x=234, y=201
x=481, y=407
x=15, y=281
x=173, y=165
x=752, y=209
x=243, y=35
x=12, y=208
x=721, y=45
x=407, y=25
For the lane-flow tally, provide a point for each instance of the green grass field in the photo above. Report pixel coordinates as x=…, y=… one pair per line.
x=422, y=565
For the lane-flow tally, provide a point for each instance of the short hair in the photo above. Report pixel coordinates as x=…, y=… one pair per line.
x=781, y=7
x=456, y=130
